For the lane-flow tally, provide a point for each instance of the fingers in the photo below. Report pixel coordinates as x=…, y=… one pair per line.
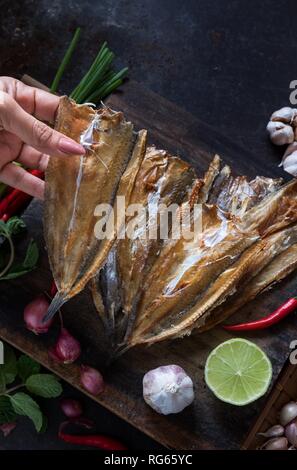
x=19, y=178
x=12, y=149
x=32, y=158
x=40, y=103
x=33, y=132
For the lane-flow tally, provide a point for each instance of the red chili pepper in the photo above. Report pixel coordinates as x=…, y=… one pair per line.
x=93, y=440
x=16, y=199
x=16, y=205
x=8, y=199
x=281, y=312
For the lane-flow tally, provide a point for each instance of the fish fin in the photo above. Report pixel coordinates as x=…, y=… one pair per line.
x=55, y=305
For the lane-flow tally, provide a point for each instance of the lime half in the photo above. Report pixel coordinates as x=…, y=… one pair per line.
x=238, y=372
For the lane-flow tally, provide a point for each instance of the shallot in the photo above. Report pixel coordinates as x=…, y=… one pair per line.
x=67, y=349
x=34, y=313
x=92, y=380
x=7, y=428
x=71, y=408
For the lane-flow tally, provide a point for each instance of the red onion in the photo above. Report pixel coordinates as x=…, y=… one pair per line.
x=7, y=428
x=67, y=349
x=91, y=380
x=291, y=433
x=34, y=313
x=71, y=408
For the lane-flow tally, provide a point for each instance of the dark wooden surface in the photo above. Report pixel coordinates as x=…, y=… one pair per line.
x=207, y=423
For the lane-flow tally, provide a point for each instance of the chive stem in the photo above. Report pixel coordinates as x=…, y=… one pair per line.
x=108, y=86
x=101, y=54
x=65, y=61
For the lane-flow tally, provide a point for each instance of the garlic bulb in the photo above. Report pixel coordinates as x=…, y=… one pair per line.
x=280, y=133
x=168, y=389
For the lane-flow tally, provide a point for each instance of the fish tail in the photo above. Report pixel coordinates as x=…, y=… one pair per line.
x=55, y=305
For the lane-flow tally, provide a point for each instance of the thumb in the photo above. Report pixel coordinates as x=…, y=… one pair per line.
x=34, y=132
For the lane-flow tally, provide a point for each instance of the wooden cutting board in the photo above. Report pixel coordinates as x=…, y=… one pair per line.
x=207, y=423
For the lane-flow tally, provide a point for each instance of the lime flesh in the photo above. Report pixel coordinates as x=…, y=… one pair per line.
x=238, y=372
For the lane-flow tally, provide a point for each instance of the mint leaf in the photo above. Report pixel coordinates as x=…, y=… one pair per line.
x=20, y=268
x=9, y=368
x=2, y=381
x=44, y=385
x=15, y=271
x=15, y=225
x=32, y=255
x=24, y=405
x=7, y=414
x=27, y=367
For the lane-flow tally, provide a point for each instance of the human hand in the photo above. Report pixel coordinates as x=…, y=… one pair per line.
x=24, y=138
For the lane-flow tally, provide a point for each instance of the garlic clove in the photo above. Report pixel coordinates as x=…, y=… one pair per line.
x=285, y=114
x=288, y=413
x=274, y=431
x=290, y=164
x=168, y=389
x=291, y=432
x=289, y=161
x=280, y=133
x=277, y=443
x=290, y=149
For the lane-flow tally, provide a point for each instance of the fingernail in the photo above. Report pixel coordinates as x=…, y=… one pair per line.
x=69, y=146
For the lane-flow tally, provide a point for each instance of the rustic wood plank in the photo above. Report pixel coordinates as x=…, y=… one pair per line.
x=208, y=423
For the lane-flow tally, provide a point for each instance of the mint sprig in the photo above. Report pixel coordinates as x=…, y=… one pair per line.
x=9, y=267
x=24, y=372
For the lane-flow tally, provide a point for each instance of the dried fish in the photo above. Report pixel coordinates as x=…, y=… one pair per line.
x=114, y=154
x=147, y=287
x=162, y=179
x=192, y=279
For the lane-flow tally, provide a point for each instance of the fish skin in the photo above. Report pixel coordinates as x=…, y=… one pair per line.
x=110, y=163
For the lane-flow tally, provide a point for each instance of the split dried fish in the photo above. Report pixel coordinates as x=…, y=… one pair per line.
x=149, y=289
x=162, y=179
x=204, y=277
x=113, y=156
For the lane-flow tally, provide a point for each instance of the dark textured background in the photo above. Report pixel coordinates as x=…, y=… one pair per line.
x=228, y=62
